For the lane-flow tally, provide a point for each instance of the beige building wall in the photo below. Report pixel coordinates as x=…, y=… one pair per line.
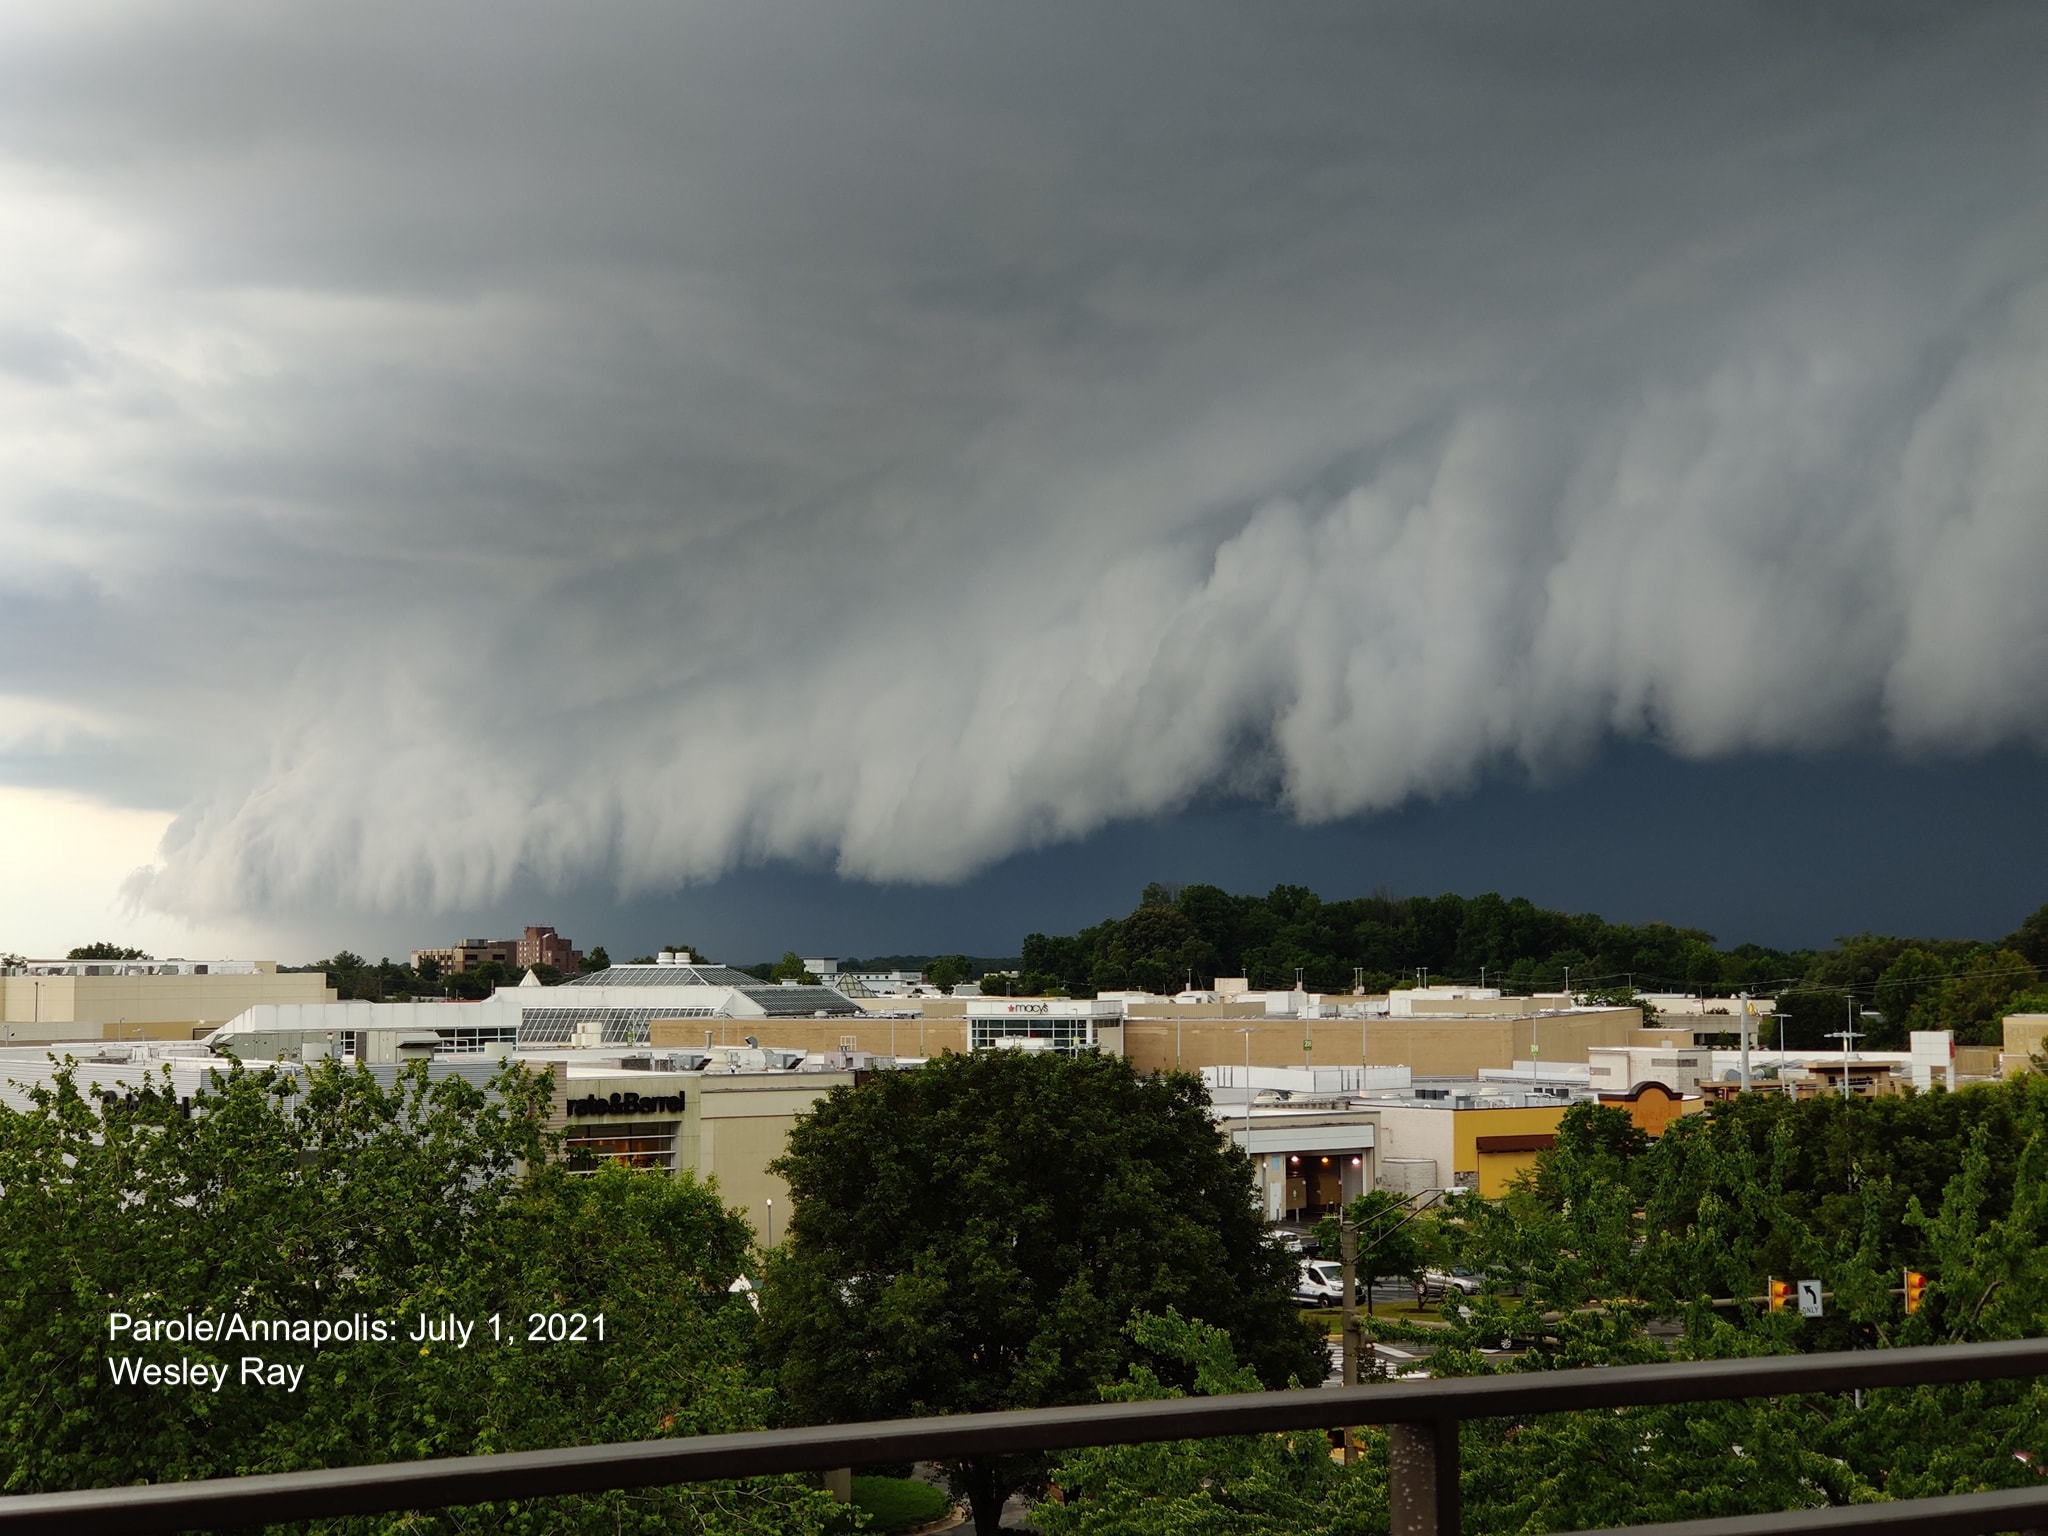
x=2025, y=1034
x=143, y=1007
x=1977, y=1061
x=927, y=1007
x=1430, y=1047
x=730, y=1130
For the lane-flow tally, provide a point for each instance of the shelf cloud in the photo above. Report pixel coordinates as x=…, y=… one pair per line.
x=444, y=446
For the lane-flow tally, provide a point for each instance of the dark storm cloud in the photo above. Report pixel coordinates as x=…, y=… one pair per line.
x=452, y=445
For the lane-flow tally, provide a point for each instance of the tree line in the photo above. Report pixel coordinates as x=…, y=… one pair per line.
x=1189, y=935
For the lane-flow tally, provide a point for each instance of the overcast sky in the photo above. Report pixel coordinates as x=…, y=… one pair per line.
x=461, y=457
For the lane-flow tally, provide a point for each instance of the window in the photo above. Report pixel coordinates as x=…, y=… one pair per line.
x=638, y=1144
x=1067, y=1034
x=475, y=1039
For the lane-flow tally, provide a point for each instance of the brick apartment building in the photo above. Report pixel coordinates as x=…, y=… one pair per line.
x=544, y=946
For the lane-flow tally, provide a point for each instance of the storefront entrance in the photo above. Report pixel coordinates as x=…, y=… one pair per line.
x=1319, y=1182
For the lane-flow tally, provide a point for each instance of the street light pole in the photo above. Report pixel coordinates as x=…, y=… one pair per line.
x=1745, y=1041
x=1247, y=1033
x=1845, y=1034
x=1347, y=1248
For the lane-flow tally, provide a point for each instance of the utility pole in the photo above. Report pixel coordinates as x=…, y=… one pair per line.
x=1247, y=1033
x=1347, y=1248
x=1745, y=1042
x=1846, y=1034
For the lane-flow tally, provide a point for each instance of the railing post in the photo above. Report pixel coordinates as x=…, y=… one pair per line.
x=1422, y=1460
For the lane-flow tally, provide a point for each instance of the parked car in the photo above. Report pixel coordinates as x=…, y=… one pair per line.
x=1438, y=1283
x=1320, y=1283
x=1281, y=1237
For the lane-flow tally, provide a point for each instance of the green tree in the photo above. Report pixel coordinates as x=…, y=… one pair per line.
x=978, y=1233
x=791, y=968
x=325, y=1196
x=1971, y=999
x=596, y=959
x=947, y=971
x=1913, y=975
x=104, y=950
x=1612, y=1229
x=480, y=981
x=2030, y=939
x=1245, y=1484
x=1389, y=1240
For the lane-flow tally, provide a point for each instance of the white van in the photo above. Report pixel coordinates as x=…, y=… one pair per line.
x=1320, y=1283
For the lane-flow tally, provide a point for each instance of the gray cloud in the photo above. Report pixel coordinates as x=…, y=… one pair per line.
x=454, y=445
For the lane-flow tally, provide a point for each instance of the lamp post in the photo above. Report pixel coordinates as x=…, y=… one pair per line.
x=1247, y=1033
x=1347, y=1248
x=771, y=1221
x=1745, y=1041
x=1846, y=1034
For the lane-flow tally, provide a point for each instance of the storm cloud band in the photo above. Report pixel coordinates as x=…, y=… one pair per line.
x=628, y=444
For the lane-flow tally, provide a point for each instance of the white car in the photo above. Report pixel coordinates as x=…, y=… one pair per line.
x=1320, y=1283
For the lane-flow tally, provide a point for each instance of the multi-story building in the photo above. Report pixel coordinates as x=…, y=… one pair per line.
x=544, y=946
x=468, y=954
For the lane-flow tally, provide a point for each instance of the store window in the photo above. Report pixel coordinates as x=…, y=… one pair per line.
x=639, y=1144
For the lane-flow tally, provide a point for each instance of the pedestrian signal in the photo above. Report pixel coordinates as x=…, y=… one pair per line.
x=1781, y=1293
x=1916, y=1283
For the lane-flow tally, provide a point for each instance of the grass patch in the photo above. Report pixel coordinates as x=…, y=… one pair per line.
x=898, y=1503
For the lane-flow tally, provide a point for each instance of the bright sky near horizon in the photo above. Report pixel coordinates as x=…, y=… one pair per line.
x=66, y=857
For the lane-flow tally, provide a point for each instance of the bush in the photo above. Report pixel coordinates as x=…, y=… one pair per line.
x=898, y=1503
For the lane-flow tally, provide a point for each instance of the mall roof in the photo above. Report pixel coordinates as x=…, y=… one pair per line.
x=693, y=975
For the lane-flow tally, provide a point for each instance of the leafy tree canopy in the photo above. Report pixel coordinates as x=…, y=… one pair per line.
x=325, y=1195
x=1612, y=1230
x=104, y=950
x=978, y=1233
x=791, y=968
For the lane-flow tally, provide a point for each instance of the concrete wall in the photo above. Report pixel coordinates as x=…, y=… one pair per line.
x=742, y=1130
x=1432, y=1047
x=152, y=1007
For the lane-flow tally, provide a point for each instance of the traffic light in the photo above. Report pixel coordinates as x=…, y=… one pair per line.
x=1916, y=1283
x=1781, y=1293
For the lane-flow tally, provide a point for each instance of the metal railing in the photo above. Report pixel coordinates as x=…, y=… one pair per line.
x=1422, y=1418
